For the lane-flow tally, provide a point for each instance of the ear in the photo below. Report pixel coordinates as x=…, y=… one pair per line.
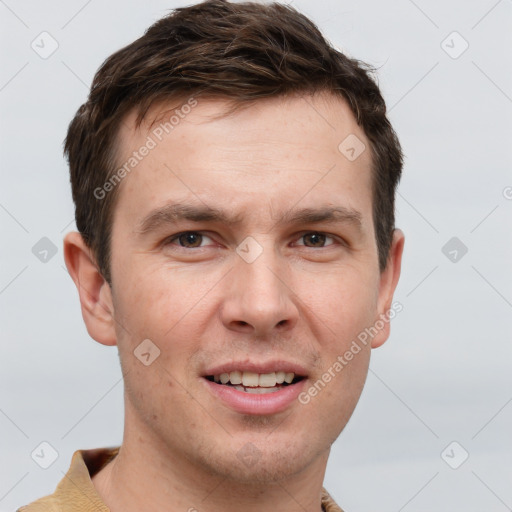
x=93, y=289
x=388, y=281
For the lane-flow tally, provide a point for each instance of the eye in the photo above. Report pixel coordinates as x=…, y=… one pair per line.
x=316, y=239
x=188, y=239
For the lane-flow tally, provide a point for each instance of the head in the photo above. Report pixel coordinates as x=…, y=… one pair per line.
x=234, y=179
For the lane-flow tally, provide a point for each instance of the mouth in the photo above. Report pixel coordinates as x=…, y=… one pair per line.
x=257, y=390
x=256, y=383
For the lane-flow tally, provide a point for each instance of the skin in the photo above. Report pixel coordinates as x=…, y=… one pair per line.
x=304, y=299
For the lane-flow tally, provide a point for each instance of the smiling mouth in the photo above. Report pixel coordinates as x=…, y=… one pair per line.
x=256, y=383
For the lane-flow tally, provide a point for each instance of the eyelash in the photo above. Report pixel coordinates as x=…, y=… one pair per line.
x=172, y=238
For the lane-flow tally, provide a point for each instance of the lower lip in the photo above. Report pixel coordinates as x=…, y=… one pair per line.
x=247, y=403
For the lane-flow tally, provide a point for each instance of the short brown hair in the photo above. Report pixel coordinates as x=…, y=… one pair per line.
x=237, y=51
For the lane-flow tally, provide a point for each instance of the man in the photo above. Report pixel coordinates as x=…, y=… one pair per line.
x=234, y=179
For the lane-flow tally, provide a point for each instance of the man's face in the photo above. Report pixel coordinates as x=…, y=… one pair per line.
x=264, y=287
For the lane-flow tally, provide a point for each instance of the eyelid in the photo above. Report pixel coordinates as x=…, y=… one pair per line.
x=170, y=239
x=335, y=238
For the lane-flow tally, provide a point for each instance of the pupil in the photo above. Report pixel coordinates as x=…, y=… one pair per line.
x=316, y=238
x=190, y=239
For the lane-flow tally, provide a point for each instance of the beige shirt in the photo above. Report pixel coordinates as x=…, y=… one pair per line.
x=76, y=492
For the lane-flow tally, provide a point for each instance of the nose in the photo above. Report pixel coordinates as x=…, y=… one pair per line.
x=258, y=300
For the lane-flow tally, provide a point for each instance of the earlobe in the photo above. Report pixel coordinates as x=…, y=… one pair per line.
x=94, y=292
x=388, y=281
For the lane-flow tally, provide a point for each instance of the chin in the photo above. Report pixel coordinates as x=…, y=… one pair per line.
x=257, y=459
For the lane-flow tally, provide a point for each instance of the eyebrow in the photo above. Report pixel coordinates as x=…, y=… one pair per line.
x=175, y=212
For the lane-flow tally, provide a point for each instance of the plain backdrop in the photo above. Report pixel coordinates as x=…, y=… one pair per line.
x=432, y=430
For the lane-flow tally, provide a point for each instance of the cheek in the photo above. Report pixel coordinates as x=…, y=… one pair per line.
x=344, y=302
x=341, y=316
x=153, y=301
x=167, y=309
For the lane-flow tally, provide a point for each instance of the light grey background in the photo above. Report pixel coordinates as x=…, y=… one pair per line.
x=443, y=376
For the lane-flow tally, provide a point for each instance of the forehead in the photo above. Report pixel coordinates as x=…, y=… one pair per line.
x=268, y=154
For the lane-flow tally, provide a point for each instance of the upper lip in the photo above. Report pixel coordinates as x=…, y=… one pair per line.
x=255, y=367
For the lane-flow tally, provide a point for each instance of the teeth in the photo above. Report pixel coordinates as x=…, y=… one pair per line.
x=267, y=380
x=250, y=379
x=288, y=377
x=254, y=380
x=235, y=377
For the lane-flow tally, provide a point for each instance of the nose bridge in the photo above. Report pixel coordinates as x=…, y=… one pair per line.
x=259, y=298
x=262, y=274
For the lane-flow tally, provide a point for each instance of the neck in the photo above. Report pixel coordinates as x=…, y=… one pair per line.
x=145, y=476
